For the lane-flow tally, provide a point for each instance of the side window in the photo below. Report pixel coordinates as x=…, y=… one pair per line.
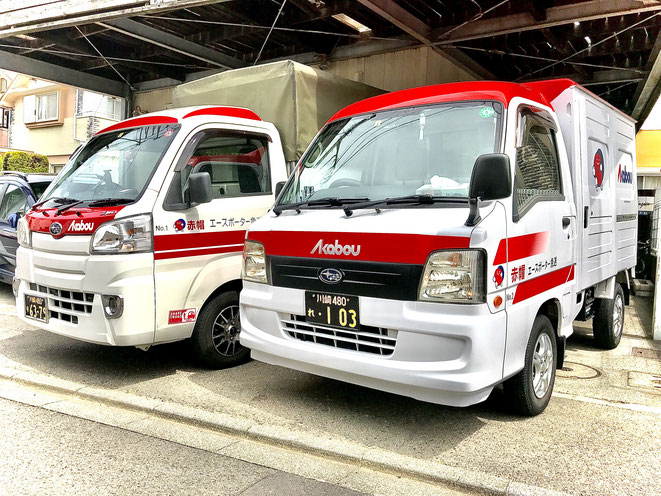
x=537, y=174
x=14, y=201
x=238, y=165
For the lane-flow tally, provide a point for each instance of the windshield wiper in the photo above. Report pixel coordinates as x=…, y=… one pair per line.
x=67, y=207
x=110, y=201
x=330, y=201
x=54, y=200
x=399, y=200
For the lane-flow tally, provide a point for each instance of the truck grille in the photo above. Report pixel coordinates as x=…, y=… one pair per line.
x=64, y=304
x=374, y=340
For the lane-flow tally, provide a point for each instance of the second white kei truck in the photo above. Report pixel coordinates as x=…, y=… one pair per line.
x=439, y=241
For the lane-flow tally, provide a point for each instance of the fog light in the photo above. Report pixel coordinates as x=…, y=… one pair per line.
x=113, y=306
x=15, y=283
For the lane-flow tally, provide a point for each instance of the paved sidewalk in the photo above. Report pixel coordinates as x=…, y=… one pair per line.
x=600, y=435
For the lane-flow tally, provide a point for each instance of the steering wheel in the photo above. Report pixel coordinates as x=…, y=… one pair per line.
x=345, y=181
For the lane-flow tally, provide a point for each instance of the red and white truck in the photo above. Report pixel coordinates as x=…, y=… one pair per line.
x=138, y=240
x=439, y=241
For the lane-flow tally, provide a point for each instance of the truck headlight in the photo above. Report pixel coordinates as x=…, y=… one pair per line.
x=453, y=276
x=254, y=262
x=23, y=233
x=129, y=235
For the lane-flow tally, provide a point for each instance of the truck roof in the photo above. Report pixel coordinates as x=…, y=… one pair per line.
x=174, y=116
x=542, y=92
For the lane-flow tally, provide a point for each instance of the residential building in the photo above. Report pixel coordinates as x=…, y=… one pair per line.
x=53, y=119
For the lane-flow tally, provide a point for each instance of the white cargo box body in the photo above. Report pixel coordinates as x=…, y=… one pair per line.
x=600, y=142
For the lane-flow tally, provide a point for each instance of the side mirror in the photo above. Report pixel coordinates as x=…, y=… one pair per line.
x=199, y=188
x=491, y=180
x=278, y=188
x=13, y=219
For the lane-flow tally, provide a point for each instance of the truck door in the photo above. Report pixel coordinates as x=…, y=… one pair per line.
x=198, y=248
x=542, y=231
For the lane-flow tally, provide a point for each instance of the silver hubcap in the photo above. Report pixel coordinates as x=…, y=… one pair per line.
x=542, y=365
x=225, y=332
x=618, y=316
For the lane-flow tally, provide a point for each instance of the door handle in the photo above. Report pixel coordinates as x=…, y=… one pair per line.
x=565, y=222
x=586, y=218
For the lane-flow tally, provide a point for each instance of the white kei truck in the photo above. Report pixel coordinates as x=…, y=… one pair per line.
x=138, y=240
x=439, y=241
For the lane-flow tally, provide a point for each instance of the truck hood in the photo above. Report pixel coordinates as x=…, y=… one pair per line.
x=405, y=235
x=75, y=221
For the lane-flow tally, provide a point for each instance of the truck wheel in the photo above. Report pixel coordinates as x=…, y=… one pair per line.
x=530, y=390
x=216, y=335
x=608, y=320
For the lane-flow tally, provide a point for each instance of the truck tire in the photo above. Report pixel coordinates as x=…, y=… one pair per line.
x=529, y=391
x=215, y=339
x=608, y=320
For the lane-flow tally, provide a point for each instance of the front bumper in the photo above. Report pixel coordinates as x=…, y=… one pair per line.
x=447, y=354
x=73, y=285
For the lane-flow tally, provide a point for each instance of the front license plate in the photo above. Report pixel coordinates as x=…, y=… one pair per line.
x=35, y=308
x=332, y=310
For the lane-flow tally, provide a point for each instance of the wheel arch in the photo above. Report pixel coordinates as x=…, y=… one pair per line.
x=233, y=285
x=552, y=309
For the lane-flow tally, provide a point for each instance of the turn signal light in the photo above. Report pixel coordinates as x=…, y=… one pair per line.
x=497, y=301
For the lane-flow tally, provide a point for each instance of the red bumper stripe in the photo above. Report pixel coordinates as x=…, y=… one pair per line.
x=373, y=247
x=538, y=285
x=518, y=247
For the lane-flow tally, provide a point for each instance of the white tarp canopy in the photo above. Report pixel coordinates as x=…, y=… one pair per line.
x=296, y=98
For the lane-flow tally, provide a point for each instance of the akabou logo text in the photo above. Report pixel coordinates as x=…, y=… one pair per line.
x=335, y=249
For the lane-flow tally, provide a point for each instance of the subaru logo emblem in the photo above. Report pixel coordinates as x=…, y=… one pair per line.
x=55, y=229
x=331, y=276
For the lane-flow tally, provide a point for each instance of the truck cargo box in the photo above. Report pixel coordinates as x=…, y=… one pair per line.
x=600, y=142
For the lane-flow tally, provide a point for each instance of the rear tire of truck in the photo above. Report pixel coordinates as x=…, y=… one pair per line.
x=608, y=321
x=529, y=391
x=215, y=339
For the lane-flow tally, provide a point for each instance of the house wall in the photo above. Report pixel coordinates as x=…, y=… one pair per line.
x=56, y=140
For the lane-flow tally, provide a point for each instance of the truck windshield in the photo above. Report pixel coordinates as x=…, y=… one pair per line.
x=114, y=166
x=422, y=150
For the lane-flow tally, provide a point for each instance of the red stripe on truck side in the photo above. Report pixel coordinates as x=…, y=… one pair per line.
x=538, y=285
x=518, y=247
x=166, y=255
x=188, y=240
x=373, y=247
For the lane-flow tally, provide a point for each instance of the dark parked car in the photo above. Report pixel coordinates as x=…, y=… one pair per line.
x=18, y=192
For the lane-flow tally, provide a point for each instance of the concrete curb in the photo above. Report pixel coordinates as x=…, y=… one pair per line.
x=329, y=447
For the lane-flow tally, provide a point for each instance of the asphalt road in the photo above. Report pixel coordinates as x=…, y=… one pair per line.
x=46, y=453
x=601, y=434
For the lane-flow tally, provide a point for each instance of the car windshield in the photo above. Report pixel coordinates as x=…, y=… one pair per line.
x=422, y=150
x=39, y=187
x=116, y=165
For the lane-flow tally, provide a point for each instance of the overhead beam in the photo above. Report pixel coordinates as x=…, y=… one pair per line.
x=419, y=30
x=555, y=16
x=59, y=74
x=57, y=14
x=162, y=39
x=647, y=92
